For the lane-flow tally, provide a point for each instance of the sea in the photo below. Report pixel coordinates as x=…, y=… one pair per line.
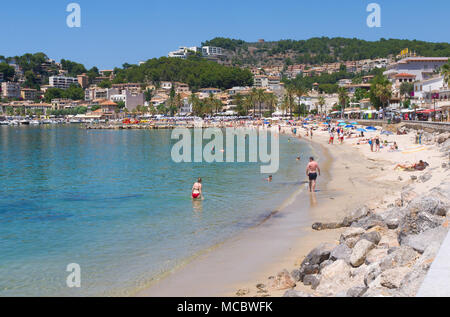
x=115, y=204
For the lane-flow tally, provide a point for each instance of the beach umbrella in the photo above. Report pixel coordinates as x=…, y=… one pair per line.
x=341, y=121
x=342, y=124
x=387, y=133
x=349, y=126
x=371, y=128
x=355, y=123
x=361, y=130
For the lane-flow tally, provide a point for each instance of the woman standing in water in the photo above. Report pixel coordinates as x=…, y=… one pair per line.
x=197, y=190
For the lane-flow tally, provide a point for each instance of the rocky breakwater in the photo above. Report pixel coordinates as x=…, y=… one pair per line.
x=382, y=252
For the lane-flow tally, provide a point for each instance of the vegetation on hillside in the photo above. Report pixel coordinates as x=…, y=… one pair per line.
x=323, y=50
x=195, y=71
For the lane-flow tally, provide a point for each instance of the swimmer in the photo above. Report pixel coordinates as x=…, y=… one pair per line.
x=197, y=189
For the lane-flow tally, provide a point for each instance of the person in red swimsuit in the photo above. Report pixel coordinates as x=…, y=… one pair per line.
x=197, y=189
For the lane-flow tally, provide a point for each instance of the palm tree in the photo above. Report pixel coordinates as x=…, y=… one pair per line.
x=445, y=71
x=249, y=103
x=259, y=97
x=383, y=91
x=290, y=91
x=406, y=89
x=300, y=92
x=197, y=107
x=272, y=101
x=343, y=98
x=321, y=103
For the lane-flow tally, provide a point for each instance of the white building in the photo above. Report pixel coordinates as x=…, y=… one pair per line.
x=183, y=52
x=261, y=81
x=62, y=82
x=131, y=100
x=10, y=90
x=212, y=51
x=421, y=67
x=423, y=88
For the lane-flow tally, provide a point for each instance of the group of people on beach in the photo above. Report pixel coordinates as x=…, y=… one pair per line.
x=339, y=132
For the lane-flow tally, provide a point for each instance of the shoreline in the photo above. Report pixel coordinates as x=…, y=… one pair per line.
x=301, y=239
x=179, y=281
x=409, y=235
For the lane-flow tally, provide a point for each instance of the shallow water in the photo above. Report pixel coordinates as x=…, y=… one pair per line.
x=115, y=203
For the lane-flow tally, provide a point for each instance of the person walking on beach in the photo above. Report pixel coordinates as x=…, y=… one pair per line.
x=312, y=171
x=331, y=137
x=197, y=190
x=371, y=144
x=311, y=133
x=377, y=142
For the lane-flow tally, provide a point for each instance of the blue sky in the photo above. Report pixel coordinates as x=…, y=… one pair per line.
x=114, y=32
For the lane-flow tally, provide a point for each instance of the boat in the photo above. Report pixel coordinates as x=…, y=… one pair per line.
x=35, y=122
x=24, y=122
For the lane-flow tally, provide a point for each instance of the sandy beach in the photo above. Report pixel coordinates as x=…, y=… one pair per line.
x=353, y=177
x=358, y=177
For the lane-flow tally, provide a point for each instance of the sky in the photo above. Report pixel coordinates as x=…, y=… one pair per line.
x=114, y=32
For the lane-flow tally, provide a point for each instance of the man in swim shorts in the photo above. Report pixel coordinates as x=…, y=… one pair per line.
x=312, y=171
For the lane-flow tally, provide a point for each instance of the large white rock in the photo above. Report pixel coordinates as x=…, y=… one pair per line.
x=360, y=251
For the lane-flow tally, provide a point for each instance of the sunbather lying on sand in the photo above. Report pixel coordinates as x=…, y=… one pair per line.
x=415, y=167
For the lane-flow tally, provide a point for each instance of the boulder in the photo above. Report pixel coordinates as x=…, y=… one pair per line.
x=373, y=237
x=401, y=256
x=360, y=251
x=282, y=281
x=351, y=236
x=335, y=278
x=416, y=223
x=421, y=241
x=373, y=271
x=320, y=226
x=341, y=252
x=369, y=222
x=442, y=138
x=393, y=216
x=407, y=195
x=305, y=269
x=427, y=204
x=319, y=254
x=313, y=280
x=389, y=239
x=356, y=215
x=294, y=293
x=357, y=291
x=393, y=278
x=376, y=255
x=325, y=264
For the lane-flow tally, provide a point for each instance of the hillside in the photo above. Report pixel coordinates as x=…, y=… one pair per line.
x=320, y=50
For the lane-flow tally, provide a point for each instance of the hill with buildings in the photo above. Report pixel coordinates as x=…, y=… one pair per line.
x=320, y=50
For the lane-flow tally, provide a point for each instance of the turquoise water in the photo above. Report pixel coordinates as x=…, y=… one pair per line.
x=115, y=203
